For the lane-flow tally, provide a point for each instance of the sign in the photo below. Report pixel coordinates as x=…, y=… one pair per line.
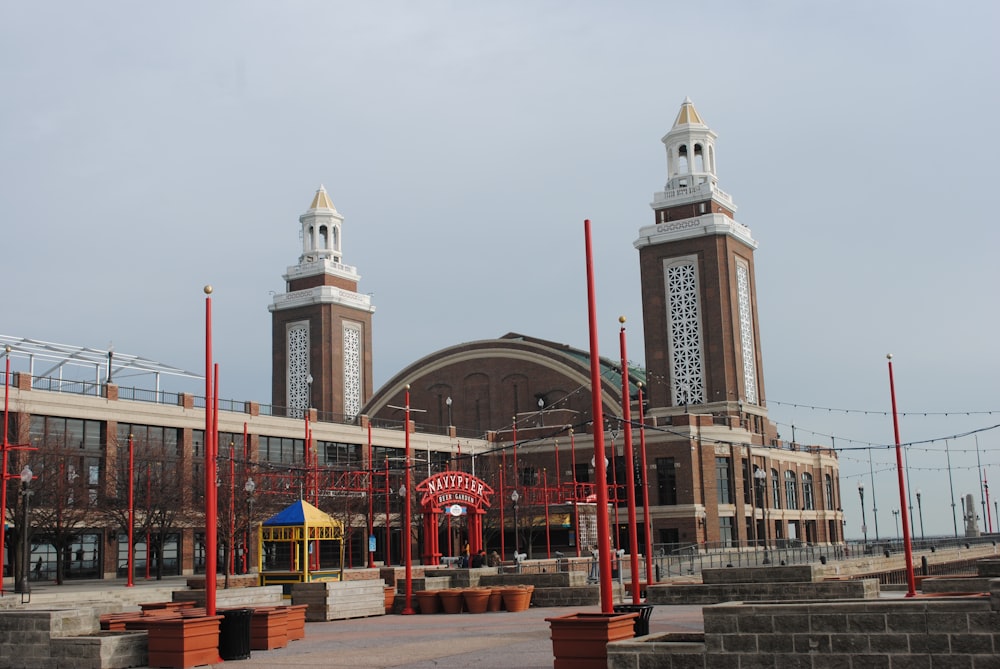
x=456, y=510
x=446, y=489
x=371, y=543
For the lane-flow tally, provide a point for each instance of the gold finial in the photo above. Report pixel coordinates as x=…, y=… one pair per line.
x=208, y=289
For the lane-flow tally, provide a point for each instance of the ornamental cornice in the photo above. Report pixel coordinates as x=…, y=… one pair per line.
x=699, y=226
x=322, y=295
x=317, y=267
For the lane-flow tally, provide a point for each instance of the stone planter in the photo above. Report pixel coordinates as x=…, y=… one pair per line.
x=428, y=601
x=476, y=599
x=580, y=640
x=451, y=601
x=183, y=642
x=269, y=628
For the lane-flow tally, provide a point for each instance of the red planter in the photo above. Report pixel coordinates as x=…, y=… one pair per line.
x=428, y=601
x=495, y=602
x=476, y=599
x=580, y=640
x=390, y=598
x=269, y=628
x=516, y=599
x=183, y=642
x=295, y=624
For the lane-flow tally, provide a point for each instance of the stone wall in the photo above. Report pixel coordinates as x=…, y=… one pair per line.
x=881, y=634
x=66, y=639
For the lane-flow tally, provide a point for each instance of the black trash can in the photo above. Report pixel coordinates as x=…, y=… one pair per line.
x=640, y=624
x=234, y=634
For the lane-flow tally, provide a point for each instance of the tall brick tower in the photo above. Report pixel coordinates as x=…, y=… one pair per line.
x=321, y=336
x=698, y=287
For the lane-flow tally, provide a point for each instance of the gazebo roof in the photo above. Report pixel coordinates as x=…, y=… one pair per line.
x=299, y=514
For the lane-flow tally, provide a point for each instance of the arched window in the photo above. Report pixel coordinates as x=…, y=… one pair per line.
x=699, y=159
x=828, y=481
x=775, y=489
x=682, y=159
x=808, y=502
x=791, y=490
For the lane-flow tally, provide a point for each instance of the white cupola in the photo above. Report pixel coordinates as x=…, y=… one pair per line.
x=690, y=151
x=321, y=230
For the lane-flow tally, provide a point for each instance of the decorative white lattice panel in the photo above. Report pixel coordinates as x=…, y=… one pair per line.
x=746, y=333
x=352, y=369
x=684, y=323
x=298, y=368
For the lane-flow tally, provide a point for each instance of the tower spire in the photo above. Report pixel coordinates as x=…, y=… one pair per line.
x=321, y=230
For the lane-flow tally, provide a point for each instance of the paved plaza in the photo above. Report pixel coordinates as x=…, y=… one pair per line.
x=515, y=640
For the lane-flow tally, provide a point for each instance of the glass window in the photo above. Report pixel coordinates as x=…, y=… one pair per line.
x=791, y=491
x=666, y=481
x=726, y=537
x=775, y=489
x=828, y=488
x=808, y=502
x=722, y=479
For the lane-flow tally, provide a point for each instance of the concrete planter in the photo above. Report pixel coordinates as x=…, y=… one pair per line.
x=580, y=640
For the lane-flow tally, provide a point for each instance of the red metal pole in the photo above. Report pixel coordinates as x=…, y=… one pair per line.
x=633, y=530
x=131, y=514
x=371, y=500
x=210, y=492
x=556, y=448
x=548, y=536
x=407, y=547
x=246, y=535
x=576, y=508
x=647, y=520
x=3, y=474
x=911, y=586
x=517, y=474
x=503, y=526
x=388, y=528
x=232, y=507
x=600, y=470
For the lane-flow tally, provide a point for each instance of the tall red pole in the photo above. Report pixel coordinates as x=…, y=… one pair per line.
x=647, y=519
x=548, y=535
x=407, y=547
x=3, y=474
x=576, y=507
x=911, y=585
x=246, y=534
x=232, y=507
x=633, y=530
x=371, y=500
x=555, y=445
x=503, y=526
x=388, y=528
x=517, y=474
x=600, y=469
x=210, y=473
x=131, y=513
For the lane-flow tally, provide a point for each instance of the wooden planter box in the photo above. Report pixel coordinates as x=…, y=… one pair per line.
x=183, y=642
x=269, y=628
x=295, y=624
x=169, y=606
x=580, y=640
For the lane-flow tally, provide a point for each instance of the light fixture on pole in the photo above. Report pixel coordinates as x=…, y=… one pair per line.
x=895, y=516
x=760, y=476
x=447, y=401
x=249, y=488
x=21, y=585
x=864, y=523
x=920, y=511
x=513, y=498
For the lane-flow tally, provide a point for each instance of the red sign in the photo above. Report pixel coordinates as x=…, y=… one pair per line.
x=449, y=488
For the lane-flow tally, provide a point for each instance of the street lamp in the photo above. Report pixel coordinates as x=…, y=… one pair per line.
x=864, y=523
x=447, y=401
x=895, y=515
x=760, y=476
x=249, y=487
x=513, y=498
x=22, y=585
x=920, y=511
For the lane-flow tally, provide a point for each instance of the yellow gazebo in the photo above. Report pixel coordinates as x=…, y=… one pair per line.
x=300, y=544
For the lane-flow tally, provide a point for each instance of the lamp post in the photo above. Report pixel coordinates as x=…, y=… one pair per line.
x=447, y=401
x=407, y=540
x=249, y=487
x=864, y=523
x=513, y=498
x=895, y=516
x=3, y=472
x=22, y=585
x=920, y=511
x=131, y=512
x=760, y=476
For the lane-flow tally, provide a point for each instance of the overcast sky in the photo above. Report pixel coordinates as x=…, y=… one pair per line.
x=148, y=149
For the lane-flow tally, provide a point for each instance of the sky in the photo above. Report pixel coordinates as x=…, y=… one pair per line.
x=149, y=149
